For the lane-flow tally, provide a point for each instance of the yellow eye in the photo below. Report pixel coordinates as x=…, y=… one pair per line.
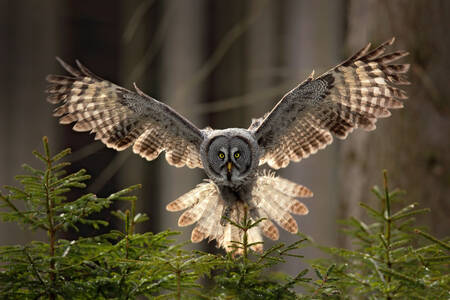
x=237, y=155
x=221, y=155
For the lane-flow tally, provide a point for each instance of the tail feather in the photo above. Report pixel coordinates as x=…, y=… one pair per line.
x=272, y=198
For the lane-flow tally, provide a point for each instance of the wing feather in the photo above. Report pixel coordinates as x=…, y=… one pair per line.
x=121, y=118
x=352, y=95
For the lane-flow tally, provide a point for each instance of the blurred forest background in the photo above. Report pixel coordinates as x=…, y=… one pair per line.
x=220, y=63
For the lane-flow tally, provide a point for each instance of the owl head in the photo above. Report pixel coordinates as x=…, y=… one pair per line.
x=230, y=157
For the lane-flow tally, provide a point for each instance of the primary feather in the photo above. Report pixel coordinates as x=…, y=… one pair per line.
x=121, y=118
x=352, y=95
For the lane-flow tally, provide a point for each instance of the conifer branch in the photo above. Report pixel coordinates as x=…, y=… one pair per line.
x=388, y=260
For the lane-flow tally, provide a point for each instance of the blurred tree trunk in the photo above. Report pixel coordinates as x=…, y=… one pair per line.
x=162, y=48
x=262, y=52
x=315, y=48
x=28, y=33
x=144, y=31
x=308, y=47
x=413, y=144
x=139, y=20
x=90, y=33
x=227, y=78
x=183, y=51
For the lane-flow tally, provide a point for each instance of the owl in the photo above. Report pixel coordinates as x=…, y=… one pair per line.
x=352, y=95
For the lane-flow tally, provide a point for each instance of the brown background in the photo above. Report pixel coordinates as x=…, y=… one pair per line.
x=220, y=63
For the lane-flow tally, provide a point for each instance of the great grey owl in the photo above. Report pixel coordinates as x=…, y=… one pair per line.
x=353, y=94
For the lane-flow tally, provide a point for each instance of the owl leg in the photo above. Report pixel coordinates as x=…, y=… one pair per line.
x=230, y=197
x=226, y=213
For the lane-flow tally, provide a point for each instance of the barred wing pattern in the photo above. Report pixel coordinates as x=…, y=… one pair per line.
x=352, y=95
x=273, y=198
x=121, y=118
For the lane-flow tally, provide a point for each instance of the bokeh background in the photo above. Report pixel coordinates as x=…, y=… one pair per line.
x=220, y=63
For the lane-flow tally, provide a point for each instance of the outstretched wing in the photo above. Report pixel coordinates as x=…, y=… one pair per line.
x=121, y=118
x=353, y=94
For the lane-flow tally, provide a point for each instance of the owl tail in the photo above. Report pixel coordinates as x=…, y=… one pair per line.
x=273, y=198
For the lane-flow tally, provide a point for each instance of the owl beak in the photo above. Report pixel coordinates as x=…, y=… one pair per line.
x=229, y=165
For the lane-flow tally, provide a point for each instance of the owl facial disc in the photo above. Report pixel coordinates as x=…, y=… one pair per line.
x=231, y=156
